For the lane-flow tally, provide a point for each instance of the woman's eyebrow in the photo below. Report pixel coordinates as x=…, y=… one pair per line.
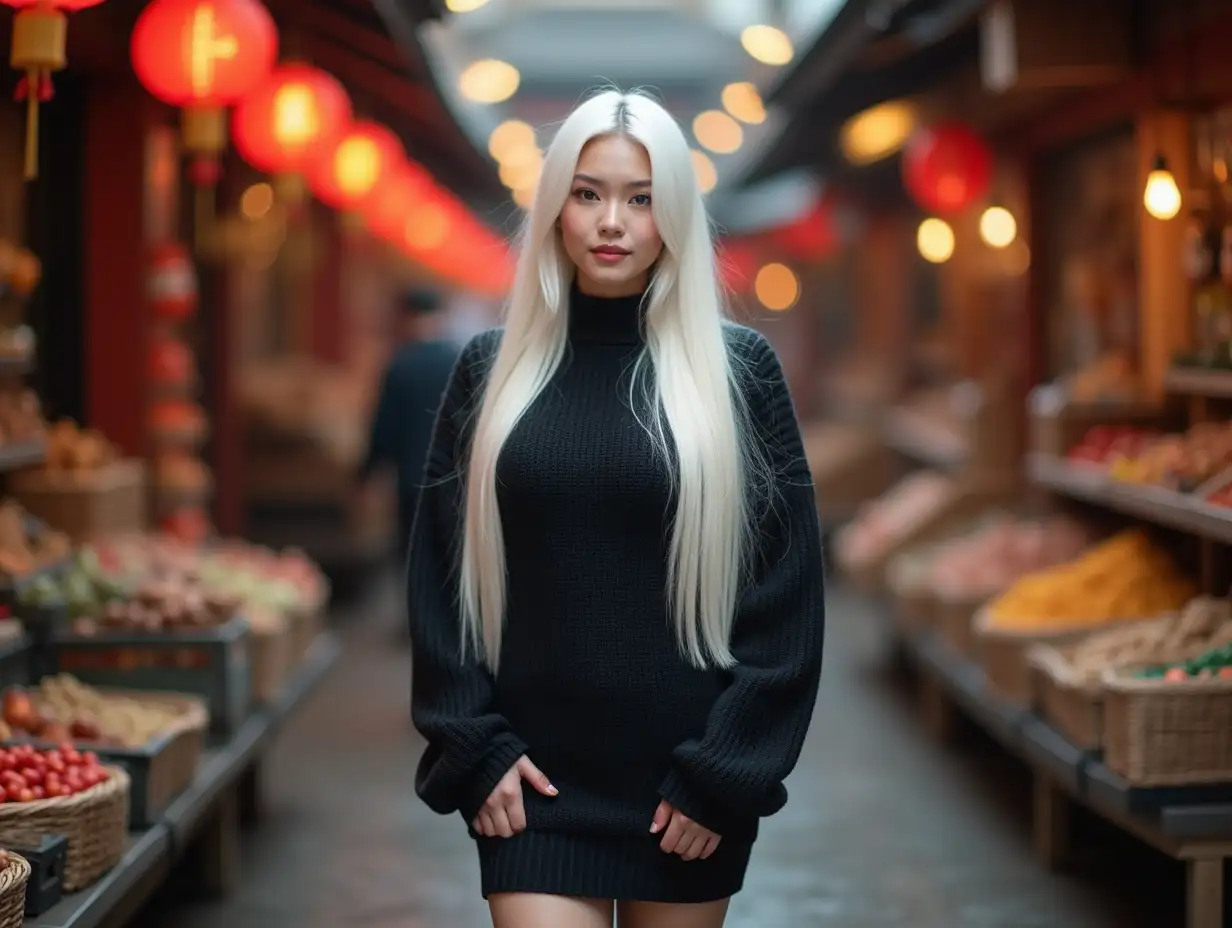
x=586, y=178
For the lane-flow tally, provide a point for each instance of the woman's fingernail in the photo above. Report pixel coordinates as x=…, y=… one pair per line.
x=654, y=828
x=553, y=790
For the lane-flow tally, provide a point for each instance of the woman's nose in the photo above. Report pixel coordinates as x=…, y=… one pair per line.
x=612, y=221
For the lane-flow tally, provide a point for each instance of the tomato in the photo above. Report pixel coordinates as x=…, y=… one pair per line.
x=26, y=795
x=32, y=775
x=1175, y=675
x=90, y=758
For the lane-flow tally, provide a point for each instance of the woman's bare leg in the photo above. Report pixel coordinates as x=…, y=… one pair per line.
x=532, y=910
x=665, y=915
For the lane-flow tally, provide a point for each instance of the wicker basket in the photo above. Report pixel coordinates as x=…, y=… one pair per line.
x=1003, y=654
x=1071, y=703
x=13, y=880
x=95, y=822
x=1159, y=733
x=1073, y=706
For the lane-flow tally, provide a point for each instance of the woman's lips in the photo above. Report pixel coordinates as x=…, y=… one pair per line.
x=609, y=254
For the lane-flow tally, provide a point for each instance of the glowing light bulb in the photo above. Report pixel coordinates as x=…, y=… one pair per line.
x=1162, y=197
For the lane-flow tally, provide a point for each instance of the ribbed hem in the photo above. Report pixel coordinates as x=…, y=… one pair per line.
x=705, y=811
x=632, y=869
x=503, y=754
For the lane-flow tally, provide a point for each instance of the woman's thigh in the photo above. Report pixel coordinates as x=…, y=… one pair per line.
x=673, y=915
x=533, y=910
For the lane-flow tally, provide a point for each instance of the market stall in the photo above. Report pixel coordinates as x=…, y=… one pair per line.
x=1057, y=569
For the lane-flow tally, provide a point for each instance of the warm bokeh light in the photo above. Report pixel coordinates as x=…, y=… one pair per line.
x=257, y=201
x=509, y=137
x=524, y=197
x=743, y=101
x=464, y=6
x=1162, y=197
x=935, y=239
x=703, y=167
x=489, y=81
x=777, y=287
x=718, y=132
x=998, y=227
x=877, y=132
x=767, y=44
x=522, y=172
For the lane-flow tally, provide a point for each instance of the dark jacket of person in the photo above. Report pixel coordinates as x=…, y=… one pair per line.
x=405, y=412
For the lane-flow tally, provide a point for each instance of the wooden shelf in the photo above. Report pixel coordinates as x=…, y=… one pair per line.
x=1166, y=508
x=1196, y=381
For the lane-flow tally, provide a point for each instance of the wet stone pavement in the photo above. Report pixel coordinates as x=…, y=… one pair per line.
x=884, y=827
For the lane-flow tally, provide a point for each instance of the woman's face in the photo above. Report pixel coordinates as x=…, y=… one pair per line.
x=606, y=225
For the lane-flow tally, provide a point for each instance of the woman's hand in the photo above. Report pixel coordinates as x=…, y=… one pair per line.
x=683, y=836
x=503, y=815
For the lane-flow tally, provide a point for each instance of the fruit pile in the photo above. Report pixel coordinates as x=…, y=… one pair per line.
x=71, y=448
x=1215, y=664
x=883, y=522
x=1180, y=462
x=62, y=708
x=1205, y=623
x=178, y=604
x=989, y=559
x=1125, y=577
x=1103, y=444
x=28, y=774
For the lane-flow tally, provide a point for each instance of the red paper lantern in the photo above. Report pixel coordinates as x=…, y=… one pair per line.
x=172, y=283
x=355, y=167
x=203, y=52
x=291, y=119
x=171, y=362
x=947, y=168
x=203, y=55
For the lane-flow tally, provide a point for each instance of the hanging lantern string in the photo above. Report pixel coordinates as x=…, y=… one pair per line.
x=34, y=88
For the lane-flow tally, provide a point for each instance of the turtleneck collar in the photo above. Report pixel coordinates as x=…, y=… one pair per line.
x=615, y=320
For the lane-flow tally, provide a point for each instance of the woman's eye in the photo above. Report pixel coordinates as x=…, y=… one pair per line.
x=642, y=199
x=585, y=193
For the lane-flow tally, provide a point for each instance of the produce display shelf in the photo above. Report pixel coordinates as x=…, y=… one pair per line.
x=151, y=853
x=1158, y=506
x=17, y=455
x=914, y=435
x=1192, y=824
x=1198, y=381
x=1034, y=740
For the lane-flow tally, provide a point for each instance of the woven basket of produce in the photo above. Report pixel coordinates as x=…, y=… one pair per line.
x=1123, y=579
x=93, y=816
x=14, y=876
x=1067, y=685
x=1171, y=725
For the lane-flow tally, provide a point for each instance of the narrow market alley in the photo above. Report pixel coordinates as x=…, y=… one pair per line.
x=881, y=831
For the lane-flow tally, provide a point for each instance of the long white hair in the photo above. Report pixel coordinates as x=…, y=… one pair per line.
x=695, y=409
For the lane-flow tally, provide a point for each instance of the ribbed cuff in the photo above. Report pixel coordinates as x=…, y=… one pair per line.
x=704, y=810
x=500, y=756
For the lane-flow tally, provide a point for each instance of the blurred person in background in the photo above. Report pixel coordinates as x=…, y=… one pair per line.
x=406, y=407
x=615, y=582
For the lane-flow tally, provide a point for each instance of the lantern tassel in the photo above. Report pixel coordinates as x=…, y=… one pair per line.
x=34, y=88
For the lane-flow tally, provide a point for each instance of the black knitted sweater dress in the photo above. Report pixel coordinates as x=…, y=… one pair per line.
x=592, y=686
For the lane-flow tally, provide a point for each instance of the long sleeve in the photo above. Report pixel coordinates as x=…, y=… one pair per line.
x=733, y=773
x=470, y=746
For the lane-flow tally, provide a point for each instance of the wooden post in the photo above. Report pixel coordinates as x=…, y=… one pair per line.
x=1164, y=326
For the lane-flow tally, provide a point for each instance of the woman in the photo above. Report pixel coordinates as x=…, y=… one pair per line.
x=616, y=579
